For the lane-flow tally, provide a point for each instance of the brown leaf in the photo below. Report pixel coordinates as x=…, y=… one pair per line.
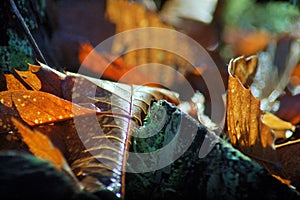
x=245, y=127
x=51, y=81
x=40, y=145
x=289, y=156
x=254, y=132
x=37, y=78
x=123, y=108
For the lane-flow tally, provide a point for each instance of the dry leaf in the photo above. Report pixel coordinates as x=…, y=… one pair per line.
x=278, y=126
x=87, y=145
x=115, y=70
x=40, y=145
x=123, y=108
x=131, y=15
x=40, y=78
x=12, y=83
x=29, y=79
x=245, y=128
x=35, y=107
x=254, y=133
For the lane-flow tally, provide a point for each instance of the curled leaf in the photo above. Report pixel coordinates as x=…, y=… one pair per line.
x=245, y=127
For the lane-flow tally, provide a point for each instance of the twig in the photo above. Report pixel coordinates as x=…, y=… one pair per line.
x=27, y=31
x=287, y=143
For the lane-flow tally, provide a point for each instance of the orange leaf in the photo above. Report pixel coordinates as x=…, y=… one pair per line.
x=29, y=79
x=40, y=145
x=245, y=42
x=130, y=15
x=36, y=107
x=110, y=68
x=42, y=78
x=12, y=83
x=245, y=127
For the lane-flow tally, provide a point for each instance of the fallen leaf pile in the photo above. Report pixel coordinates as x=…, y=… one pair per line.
x=49, y=113
x=81, y=128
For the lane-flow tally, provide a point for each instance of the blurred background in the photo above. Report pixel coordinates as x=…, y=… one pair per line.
x=66, y=31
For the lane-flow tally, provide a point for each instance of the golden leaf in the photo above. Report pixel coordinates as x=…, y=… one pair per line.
x=279, y=126
x=40, y=145
x=132, y=15
x=245, y=127
x=36, y=107
x=12, y=83
x=29, y=78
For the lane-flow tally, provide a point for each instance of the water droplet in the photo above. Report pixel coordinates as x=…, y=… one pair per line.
x=36, y=121
x=60, y=117
x=2, y=101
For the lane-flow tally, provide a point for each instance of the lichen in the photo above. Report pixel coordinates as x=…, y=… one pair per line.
x=163, y=119
x=29, y=18
x=224, y=173
x=16, y=54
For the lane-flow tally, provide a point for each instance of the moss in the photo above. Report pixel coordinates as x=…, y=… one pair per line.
x=28, y=7
x=16, y=54
x=224, y=173
x=15, y=49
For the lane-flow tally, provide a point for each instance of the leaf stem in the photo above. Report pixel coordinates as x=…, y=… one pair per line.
x=287, y=143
